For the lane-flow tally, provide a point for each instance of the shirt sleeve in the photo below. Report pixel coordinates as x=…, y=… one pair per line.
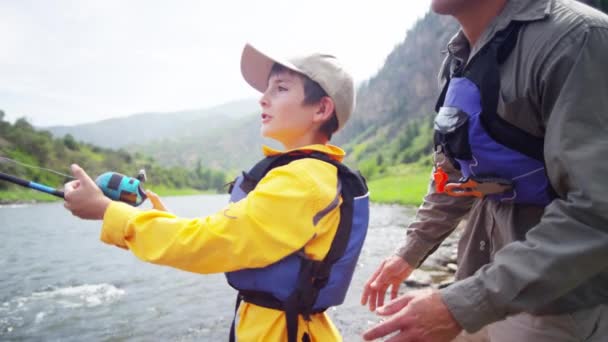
x=273, y=221
x=570, y=244
x=435, y=220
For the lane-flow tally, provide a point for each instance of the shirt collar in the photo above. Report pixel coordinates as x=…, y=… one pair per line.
x=332, y=151
x=520, y=10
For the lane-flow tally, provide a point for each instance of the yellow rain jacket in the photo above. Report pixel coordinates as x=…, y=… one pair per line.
x=247, y=234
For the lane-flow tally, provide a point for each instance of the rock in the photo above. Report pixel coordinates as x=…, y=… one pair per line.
x=445, y=283
x=418, y=279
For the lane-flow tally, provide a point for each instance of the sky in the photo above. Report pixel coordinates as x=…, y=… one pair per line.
x=67, y=62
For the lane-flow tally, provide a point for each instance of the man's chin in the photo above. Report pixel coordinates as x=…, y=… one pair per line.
x=447, y=7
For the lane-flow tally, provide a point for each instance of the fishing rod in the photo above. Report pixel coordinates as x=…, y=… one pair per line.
x=32, y=185
x=114, y=185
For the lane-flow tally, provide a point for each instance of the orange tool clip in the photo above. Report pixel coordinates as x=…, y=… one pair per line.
x=440, y=178
x=468, y=188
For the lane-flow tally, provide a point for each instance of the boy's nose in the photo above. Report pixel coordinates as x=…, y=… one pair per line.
x=263, y=101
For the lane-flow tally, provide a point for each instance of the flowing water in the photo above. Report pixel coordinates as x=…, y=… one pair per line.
x=58, y=282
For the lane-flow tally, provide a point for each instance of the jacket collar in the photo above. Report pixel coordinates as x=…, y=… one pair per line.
x=333, y=151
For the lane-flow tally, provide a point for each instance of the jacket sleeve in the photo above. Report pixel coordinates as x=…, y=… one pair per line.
x=273, y=221
x=435, y=220
x=570, y=244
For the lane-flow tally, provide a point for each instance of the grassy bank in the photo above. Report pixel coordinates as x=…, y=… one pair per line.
x=407, y=188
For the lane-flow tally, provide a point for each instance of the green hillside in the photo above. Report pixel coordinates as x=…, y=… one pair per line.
x=22, y=142
x=390, y=135
x=233, y=147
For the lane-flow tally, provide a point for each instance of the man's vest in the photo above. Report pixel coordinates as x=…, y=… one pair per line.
x=480, y=143
x=296, y=284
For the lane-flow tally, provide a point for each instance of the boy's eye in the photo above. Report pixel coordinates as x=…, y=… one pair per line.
x=281, y=88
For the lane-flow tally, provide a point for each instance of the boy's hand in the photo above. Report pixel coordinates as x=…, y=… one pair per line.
x=83, y=197
x=157, y=203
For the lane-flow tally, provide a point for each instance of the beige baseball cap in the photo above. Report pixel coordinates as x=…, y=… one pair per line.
x=321, y=68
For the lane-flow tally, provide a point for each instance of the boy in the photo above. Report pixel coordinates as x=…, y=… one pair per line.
x=290, y=238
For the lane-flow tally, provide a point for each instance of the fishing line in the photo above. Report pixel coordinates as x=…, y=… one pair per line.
x=5, y=159
x=29, y=184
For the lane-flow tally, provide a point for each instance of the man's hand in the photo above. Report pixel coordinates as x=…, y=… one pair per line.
x=157, y=203
x=392, y=272
x=418, y=316
x=83, y=197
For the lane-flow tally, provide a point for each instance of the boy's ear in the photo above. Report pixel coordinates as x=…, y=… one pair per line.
x=325, y=109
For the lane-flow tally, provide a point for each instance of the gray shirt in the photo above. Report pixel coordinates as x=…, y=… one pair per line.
x=515, y=258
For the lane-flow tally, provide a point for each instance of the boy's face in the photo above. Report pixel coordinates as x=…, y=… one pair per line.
x=284, y=116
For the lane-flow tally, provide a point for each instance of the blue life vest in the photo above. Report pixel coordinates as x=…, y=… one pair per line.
x=296, y=284
x=477, y=140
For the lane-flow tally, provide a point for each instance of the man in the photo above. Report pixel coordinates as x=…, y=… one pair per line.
x=523, y=118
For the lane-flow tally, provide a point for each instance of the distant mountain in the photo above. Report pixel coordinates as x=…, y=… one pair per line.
x=404, y=89
x=234, y=146
x=392, y=117
x=391, y=124
x=145, y=127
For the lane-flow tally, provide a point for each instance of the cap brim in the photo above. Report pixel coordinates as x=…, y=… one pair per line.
x=256, y=66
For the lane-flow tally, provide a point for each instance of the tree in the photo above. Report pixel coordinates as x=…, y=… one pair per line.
x=4, y=126
x=70, y=142
x=23, y=124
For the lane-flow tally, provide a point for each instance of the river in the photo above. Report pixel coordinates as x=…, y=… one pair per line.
x=58, y=282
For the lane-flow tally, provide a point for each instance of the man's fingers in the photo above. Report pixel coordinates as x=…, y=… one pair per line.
x=372, y=300
x=394, y=305
x=81, y=175
x=395, y=289
x=381, y=295
x=365, y=295
x=384, y=328
x=376, y=272
x=367, y=289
